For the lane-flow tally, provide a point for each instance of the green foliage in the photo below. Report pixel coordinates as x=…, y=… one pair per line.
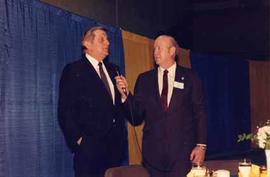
x=261, y=138
x=245, y=137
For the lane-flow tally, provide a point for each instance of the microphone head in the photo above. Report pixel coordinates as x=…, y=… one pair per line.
x=117, y=70
x=118, y=74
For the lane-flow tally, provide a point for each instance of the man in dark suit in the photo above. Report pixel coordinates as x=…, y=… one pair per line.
x=171, y=102
x=89, y=108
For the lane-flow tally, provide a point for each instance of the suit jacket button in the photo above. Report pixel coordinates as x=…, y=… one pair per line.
x=113, y=120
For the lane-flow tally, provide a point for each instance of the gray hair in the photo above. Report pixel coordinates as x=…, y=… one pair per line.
x=89, y=34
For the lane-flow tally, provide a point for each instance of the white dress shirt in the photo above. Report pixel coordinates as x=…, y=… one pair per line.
x=95, y=62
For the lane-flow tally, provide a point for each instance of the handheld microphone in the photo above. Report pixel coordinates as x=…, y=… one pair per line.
x=123, y=88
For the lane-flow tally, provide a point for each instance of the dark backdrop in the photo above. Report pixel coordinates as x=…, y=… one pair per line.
x=226, y=82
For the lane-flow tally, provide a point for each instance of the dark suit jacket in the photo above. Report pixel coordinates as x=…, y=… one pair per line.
x=86, y=110
x=168, y=138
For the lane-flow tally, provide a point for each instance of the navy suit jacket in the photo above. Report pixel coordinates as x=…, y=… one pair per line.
x=169, y=136
x=85, y=109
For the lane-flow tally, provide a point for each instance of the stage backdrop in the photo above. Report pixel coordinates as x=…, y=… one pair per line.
x=36, y=41
x=226, y=82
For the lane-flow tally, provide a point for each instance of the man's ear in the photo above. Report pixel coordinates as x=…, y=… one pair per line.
x=86, y=44
x=172, y=51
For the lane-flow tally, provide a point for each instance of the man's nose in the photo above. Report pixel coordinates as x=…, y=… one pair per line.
x=107, y=42
x=156, y=52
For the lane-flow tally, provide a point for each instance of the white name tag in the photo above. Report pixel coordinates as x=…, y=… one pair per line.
x=179, y=85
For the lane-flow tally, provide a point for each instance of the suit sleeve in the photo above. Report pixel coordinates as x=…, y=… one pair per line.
x=67, y=107
x=200, y=112
x=134, y=105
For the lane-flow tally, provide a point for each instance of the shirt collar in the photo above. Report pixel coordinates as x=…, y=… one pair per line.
x=92, y=60
x=171, y=70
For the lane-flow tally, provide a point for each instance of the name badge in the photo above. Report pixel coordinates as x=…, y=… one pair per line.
x=179, y=85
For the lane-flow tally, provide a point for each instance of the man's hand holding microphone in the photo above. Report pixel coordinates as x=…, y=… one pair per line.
x=122, y=85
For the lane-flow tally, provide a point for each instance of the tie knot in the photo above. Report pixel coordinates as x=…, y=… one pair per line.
x=100, y=64
x=165, y=72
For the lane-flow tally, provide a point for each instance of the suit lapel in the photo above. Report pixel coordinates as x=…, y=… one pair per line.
x=156, y=87
x=96, y=78
x=112, y=73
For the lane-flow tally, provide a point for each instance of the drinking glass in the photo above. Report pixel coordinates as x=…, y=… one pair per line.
x=245, y=167
x=198, y=170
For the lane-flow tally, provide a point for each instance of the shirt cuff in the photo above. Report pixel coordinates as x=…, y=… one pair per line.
x=202, y=146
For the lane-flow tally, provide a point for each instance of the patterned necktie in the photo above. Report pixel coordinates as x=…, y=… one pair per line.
x=104, y=78
x=164, y=92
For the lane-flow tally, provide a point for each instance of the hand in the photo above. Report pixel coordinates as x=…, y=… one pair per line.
x=79, y=141
x=197, y=155
x=122, y=85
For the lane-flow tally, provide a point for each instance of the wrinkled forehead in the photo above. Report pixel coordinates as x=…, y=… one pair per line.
x=100, y=32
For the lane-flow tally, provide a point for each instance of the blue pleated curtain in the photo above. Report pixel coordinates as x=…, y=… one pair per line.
x=36, y=41
x=226, y=81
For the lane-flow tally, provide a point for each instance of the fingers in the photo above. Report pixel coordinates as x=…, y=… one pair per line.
x=79, y=141
x=197, y=160
x=192, y=156
x=121, y=84
x=197, y=155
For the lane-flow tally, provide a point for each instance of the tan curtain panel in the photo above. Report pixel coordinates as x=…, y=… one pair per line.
x=138, y=58
x=259, y=74
x=184, y=57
